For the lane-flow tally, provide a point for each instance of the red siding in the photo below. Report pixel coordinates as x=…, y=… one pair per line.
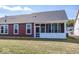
x=10, y=29
x=22, y=29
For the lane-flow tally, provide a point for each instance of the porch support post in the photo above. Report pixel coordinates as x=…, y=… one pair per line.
x=65, y=30
x=34, y=31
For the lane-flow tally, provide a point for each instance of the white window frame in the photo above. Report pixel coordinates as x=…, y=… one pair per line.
x=4, y=29
x=14, y=28
x=30, y=29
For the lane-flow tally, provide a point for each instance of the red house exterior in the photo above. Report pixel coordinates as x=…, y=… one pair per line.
x=51, y=24
x=22, y=30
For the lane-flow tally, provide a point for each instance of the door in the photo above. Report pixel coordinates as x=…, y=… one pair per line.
x=37, y=31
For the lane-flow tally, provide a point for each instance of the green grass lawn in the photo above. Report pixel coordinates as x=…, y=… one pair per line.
x=39, y=46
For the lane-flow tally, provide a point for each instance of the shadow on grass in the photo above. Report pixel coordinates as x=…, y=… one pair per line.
x=69, y=39
x=73, y=40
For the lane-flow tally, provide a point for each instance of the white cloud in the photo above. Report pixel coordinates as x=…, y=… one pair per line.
x=26, y=8
x=16, y=8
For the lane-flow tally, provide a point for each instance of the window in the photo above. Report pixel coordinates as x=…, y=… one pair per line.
x=28, y=28
x=4, y=29
x=42, y=28
x=16, y=29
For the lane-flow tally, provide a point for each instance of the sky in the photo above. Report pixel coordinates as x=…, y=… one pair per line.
x=9, y=10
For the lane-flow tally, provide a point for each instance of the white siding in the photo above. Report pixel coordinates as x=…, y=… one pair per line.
x=76, y=28
x=53, y=35
x=78, y=16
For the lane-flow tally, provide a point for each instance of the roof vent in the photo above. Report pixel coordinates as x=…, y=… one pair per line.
x=5, y=18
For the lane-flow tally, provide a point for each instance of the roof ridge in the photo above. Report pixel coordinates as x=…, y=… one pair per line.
x=33, y=13
x=48, y=11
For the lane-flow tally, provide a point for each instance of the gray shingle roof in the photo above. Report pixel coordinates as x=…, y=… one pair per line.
x=53, y=15
x=36, y=17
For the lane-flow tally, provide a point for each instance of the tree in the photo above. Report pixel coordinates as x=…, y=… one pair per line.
x=70, y=23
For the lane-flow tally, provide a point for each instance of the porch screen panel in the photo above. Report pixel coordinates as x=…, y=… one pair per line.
x=42, y=28
x=59, y=28
x=55, y=27
x=48, y=28
x=62, y=27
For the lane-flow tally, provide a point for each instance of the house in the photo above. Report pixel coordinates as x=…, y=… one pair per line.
x=76, y=25
x=51, y=24
x=70, y=30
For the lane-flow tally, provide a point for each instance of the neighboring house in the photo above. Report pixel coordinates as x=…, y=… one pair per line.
x=51, y=24
x=76, y=25
x=70, y=30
